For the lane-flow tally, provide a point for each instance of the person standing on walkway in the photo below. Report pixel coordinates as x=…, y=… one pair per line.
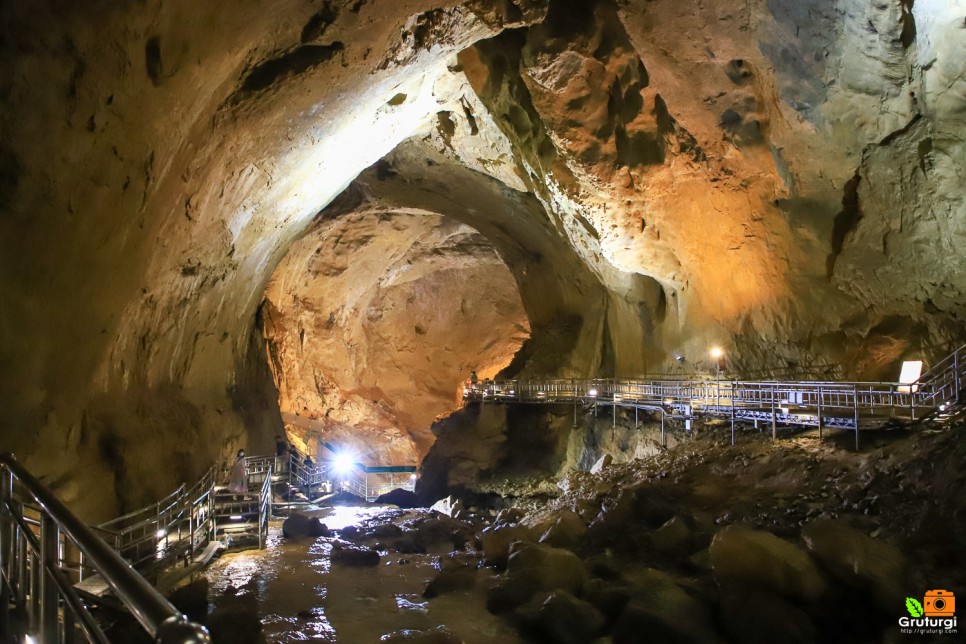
x=282, y=454
x=238, y=482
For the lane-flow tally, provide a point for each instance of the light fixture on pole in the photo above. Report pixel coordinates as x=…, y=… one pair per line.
x=717, y=354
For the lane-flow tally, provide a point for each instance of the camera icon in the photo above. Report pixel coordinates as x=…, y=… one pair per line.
x=939, y=603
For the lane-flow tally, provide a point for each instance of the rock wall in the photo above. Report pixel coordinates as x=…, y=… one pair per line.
x=374, y=320
x=153, y=180
x=783, y=178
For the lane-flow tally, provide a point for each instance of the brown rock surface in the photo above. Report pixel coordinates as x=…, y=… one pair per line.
x=784, y=178
x=374, y=319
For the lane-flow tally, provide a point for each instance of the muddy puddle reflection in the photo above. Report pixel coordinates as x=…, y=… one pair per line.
x=302, y=596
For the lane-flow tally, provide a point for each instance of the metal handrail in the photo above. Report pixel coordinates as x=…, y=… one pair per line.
x=744, y=399
x=157, y=616
x=264, y=509
x=167, y=501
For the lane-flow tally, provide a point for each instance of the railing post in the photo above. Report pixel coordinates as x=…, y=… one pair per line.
x=774, y=414
x=956, y=384
x=734, y=386
x=20, y=561
x=912, y=403
x=821, y=422
x=6, y=549
x=48, y=588
x=855, y=402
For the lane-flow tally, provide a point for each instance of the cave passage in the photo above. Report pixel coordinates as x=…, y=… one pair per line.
x=372, y=321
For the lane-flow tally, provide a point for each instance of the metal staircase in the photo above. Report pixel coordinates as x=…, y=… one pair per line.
x=822, y=404
x=54, y=567
x=45, y=550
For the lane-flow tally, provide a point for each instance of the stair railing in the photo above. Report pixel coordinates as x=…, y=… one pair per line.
x=264, y=509
x=943, y=382
x=32, y=574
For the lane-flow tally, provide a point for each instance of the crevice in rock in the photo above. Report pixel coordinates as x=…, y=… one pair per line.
x=152, y=59
x=845, y=221
x=470, y=117
x=445, y=126
x=298, y=61
x=892, y=136
x=318, y=23
x=908, y=22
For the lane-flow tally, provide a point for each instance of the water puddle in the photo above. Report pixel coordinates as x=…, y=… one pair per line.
x=302, y=596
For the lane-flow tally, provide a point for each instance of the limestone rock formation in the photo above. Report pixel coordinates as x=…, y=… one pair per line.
x=374, y=320
x=783, y=178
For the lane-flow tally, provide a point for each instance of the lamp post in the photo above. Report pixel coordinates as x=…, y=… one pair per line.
x=716, y=354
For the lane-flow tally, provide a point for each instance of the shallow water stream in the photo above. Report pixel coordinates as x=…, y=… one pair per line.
x=302, y=596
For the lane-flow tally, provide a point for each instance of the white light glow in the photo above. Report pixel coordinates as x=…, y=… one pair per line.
x=716, y=352
x=592, y=393
x=911, y=371
x=235, y=517
x=343, y=462
x=161, y=534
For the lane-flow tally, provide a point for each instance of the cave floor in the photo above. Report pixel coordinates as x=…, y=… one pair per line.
x=907, y=488
x=299, y=594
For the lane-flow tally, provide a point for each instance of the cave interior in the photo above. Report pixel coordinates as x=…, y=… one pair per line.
x=322, y=219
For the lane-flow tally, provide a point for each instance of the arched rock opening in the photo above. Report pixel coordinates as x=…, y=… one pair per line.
x=648, y=199
x=373, y=320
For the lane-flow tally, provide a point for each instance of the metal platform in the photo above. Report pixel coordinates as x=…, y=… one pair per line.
x=822, y=404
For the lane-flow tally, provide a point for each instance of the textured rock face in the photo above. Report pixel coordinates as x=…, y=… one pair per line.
x=373, y=320
x=783, y=178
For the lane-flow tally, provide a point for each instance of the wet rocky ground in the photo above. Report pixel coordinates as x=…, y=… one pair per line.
x=794, y=541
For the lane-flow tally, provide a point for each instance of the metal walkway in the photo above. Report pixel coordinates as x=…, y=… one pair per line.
x=842, y=405
x=44, y=550
x=370, y=483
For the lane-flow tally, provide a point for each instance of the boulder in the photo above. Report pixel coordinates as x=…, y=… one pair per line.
x=754, y=616
x=854, y=558
x=565, y=530
x=387, y=531
x=607, y=596
x=561, y=618
x=674, y=538
x=451, y=578
x=601, y=463
x=644, y=505
x=448, y=505
x=400, y=498
x=660, y=610
x=534, y=567
x=759, y=560
x=496, y=541
x=509, y=516
x=300, y=525
x=348, y=554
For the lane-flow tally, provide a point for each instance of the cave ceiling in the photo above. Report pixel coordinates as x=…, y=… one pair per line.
x=783, y=178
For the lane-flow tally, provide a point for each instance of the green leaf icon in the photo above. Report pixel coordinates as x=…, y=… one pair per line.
x=914, y=607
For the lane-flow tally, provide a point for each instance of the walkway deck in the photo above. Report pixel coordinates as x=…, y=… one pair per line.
x=842, y=405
